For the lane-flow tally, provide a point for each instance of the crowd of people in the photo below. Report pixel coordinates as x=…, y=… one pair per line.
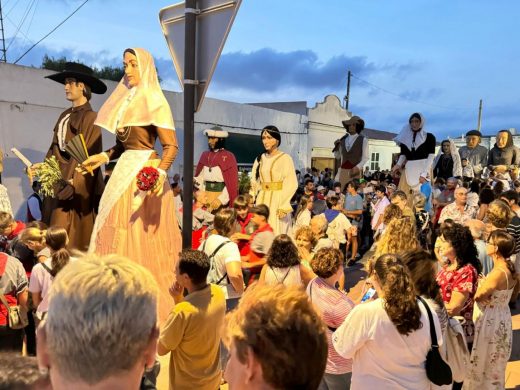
x=259, y=300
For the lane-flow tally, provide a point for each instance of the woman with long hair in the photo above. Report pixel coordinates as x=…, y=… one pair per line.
x=283, y=264
x=458, y=277
x=399, y=236
x=43, y=273
x=274, y=181
x=388, y=338
x=140, y=225
x=303, y=212
x=493, y=328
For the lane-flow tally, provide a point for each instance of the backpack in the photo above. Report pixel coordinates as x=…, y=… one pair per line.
x=212, y=274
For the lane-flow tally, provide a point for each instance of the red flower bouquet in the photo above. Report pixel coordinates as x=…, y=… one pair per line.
x=147, y=178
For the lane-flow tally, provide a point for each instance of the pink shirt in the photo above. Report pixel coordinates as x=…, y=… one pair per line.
x=334, y=307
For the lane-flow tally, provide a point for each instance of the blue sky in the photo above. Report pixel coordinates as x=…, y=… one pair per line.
x=447, y=54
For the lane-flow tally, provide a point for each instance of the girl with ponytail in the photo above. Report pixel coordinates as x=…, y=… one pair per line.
x=55, y=240
x=388, y=338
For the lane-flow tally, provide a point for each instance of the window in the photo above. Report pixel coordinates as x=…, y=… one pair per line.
x=374, y=162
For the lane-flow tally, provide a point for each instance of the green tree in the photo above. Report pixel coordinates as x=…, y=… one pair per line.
x=113, y=73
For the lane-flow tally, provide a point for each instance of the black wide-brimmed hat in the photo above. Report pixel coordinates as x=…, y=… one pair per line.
x=82, y=73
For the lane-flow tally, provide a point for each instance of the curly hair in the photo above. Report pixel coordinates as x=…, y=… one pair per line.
x=306, y=231
x=423, y=268
x=460, y=238
x=399, y=236
x=391, y=212
x=400, y=300
x=264, y=324
x=326, y=262
x=499, y=214
x=283, y=253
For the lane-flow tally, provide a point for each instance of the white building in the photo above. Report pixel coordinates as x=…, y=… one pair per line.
x=31, y=104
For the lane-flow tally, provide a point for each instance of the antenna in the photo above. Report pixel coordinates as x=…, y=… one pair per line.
x=3, y=51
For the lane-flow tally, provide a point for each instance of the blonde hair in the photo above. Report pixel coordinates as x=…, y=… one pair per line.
x=33, y=234
x=278, y=324
x=419, y=201
x=499, y=214
x=399, y=236
x=305, y=231
x=102, y=313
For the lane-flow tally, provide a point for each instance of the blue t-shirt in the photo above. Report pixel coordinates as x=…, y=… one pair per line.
x=353, y=202
x=426, y=190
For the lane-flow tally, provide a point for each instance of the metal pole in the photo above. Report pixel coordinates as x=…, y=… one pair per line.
x=347, y=96
x=3, y=58
x=479, y=116
x=190, y=29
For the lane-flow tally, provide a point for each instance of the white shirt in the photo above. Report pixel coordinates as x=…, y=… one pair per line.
x=226, y=254
x=213, y=174
x=338, y=229
x=379, y=209
x=304, y=219
x=384, y=358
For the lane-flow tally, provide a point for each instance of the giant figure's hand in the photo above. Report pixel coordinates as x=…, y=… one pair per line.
x=92, y=163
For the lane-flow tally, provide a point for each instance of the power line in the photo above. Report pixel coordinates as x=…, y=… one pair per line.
x=407, y=98
x=22, y=21
x=54, y=29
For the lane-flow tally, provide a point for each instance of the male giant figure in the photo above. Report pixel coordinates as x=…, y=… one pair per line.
x=73, y=205
x=476, y=154
x=351, y=150
x=217, y=171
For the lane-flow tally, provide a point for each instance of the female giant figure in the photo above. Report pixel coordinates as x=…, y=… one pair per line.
x=144, y=230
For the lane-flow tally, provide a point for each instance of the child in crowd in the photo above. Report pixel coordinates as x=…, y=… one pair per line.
x=202, y=219
x=338, y=225
x=244, y=225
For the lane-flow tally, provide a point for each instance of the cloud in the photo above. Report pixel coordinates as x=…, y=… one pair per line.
x=270, y=70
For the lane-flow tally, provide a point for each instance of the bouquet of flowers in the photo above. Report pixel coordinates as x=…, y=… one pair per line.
x=147, y=179
x=50, y=177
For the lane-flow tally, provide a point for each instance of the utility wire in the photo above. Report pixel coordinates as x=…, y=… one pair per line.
x=22, y=21
x=406, y=98
x=54, y=29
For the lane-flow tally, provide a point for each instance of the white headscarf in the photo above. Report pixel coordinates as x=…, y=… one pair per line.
x=454, y=152
x=405, y=137
x=141, y=105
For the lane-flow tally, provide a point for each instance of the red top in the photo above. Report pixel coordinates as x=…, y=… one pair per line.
x=463, y=280
x=253, y=256
x=244, y=245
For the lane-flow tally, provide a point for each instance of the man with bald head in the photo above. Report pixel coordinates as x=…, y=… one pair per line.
x=459, y=211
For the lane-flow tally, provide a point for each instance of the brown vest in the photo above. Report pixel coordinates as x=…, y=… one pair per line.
x=353, y=157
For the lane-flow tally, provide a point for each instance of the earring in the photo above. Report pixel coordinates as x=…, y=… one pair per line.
x=44, y=371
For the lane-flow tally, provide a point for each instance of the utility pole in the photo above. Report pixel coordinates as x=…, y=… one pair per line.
x=347, y=96
x=3, y=57
x=190, y=33
x=479, y=116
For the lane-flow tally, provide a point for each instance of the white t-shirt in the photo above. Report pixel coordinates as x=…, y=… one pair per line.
x=304, y=219
x=226, y=254
x=338, y=229
x=384, y=358
x=41, y=282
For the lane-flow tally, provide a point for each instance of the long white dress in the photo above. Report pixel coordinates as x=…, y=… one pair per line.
x=276, y=172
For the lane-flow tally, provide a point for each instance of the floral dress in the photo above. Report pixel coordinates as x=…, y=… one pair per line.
x=462, y=280
x=492, y=343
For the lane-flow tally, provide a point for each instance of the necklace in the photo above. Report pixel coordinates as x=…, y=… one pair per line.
x=123, y=135
x=211, y=160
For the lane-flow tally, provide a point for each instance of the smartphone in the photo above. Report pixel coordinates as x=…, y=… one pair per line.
x=369, y=294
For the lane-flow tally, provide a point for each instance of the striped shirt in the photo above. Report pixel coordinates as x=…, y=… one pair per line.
x=334, y=307
x=514, y=229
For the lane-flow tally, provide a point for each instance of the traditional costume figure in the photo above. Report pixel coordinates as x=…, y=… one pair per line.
x=351, y=151
x=417, y=154
x=504, y=156
x=73, y=207
x=476, y=154
x=274, y=182
x=146, y=232
x=217, y=171
x=447, y=162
